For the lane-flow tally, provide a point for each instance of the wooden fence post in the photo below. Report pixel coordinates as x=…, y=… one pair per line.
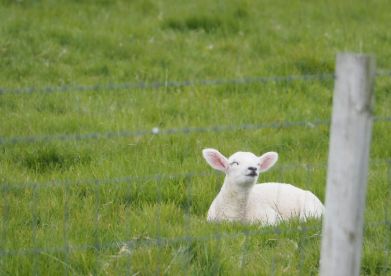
x=350, y=138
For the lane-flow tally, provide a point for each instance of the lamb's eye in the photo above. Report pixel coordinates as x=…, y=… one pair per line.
x=234, y=163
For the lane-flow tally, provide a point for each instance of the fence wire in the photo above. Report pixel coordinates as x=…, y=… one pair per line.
x=173, y=84
x=163, y=241
x=36, y=185
x=164, y=84
x=169, y=131
x=158, y=131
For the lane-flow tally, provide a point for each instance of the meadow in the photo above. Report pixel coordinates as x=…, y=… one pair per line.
x=87, y=188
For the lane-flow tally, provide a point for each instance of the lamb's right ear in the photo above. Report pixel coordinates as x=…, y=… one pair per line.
x=215, y=159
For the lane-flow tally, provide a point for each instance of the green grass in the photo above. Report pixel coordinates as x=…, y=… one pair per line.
x=67, y=207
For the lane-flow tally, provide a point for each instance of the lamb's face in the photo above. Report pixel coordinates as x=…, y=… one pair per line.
x=243, y=168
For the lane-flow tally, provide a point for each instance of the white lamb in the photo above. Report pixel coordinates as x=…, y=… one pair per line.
x=241, y=199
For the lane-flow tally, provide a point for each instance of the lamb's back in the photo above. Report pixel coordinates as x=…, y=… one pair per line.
x=285, y=199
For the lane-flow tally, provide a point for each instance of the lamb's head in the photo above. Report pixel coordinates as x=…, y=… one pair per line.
x=242, y=168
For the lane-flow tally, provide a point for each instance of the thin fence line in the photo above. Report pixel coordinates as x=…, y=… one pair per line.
x=157, y=131
x=169, y=131
x=164, y=84
x=172, y=84
x=165, y=241
x=147, y=241
x=8, y=186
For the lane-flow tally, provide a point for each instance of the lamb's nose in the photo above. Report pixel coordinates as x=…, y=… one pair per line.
x=252, y=169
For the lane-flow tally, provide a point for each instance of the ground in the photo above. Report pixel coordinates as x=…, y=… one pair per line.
x=88, y=188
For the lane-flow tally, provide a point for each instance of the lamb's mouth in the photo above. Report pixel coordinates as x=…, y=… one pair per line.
x=252, y=174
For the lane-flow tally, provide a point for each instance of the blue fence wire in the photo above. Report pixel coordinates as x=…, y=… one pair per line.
x=163, y=84
x=169, y=131
x=173, y=84
x=157, y=131
x=151, y=241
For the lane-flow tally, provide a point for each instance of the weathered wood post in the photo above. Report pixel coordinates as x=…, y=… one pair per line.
x=350, y=138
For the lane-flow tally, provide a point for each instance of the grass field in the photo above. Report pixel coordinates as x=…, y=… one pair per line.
x=136, y=205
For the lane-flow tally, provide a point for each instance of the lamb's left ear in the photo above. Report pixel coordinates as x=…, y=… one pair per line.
x=267, y=160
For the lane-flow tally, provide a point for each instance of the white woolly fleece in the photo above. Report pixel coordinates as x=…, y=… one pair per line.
x=240, y=199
